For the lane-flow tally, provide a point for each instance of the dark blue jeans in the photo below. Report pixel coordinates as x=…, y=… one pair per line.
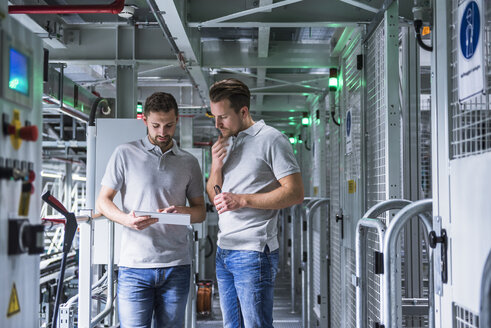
x=158, y=292
x=246, y=286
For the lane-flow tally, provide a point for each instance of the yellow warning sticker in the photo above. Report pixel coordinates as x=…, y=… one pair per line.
x=351, y=186
x=14, y=306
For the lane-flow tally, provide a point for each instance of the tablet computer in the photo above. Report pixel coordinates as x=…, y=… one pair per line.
x=167, y=218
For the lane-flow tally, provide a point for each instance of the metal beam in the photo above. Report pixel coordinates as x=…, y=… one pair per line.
x=249, y=12
x=282, y=54
x=188, y=43
x=361, y=5
x=256, y=24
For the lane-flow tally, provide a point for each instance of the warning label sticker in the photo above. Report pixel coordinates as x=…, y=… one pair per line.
x=14, y=306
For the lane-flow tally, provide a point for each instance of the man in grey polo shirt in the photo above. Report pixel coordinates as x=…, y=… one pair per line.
x=153, y=174
x=255, y=167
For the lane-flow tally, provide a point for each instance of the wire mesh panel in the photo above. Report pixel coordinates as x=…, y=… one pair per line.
x=352, y=88
x=335, y=232
x=376, y=152
x=464, y=318
x=471, y=120
x=350, y=111
x=425, y=146
x=350, y=270
x=376, y=117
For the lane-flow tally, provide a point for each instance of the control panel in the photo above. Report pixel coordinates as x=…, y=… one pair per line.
x=21, y=231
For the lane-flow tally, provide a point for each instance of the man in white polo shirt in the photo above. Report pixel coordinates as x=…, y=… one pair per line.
x=254, y=165
x=153, y=174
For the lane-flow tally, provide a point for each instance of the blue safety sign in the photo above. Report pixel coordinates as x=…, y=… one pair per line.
x=349, y=143
x=348, y=123
x=470, y=59
x=470, y=28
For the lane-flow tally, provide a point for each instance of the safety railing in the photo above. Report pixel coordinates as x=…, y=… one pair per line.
x=311, y=208
x=390, y=309
x=370, y=221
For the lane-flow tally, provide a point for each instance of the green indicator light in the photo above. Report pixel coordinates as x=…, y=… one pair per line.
x=305, y=121
x=292, y=139
x=333, y=83
x=291, y=123
x=139, y=108
x=295, y=151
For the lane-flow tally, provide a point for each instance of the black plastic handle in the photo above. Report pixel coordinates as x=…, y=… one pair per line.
x=55, y=203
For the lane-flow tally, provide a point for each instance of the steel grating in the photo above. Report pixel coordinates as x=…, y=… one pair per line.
x=464, y=318
x=471, y=121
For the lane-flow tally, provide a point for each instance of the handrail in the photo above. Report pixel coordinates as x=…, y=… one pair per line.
x=310, y=215
x=390, y=256
x=386, y=205
x=368, y=220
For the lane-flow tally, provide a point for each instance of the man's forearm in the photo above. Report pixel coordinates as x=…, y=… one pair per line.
x=110, y=210
x=197, y=212
x=279, y=198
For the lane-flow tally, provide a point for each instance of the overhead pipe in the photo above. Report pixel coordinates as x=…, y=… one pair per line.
x=175, y=49
x=113, y=8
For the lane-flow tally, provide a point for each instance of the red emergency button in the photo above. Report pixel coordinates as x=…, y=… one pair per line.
x=32, y=176
x=29, y=133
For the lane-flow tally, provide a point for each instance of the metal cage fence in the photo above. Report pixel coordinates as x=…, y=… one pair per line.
x=470, y=127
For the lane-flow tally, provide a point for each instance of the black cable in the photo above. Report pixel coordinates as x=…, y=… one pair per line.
x=93, y=109
x=333, y=114
x=418, y=24
x=59, y=289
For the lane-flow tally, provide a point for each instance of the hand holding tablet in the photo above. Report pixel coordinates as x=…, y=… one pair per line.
x=167, y=218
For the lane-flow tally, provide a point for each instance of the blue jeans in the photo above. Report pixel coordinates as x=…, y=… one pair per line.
x=161, y=292
x=246, y=286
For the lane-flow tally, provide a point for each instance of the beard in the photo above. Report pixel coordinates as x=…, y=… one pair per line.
x=162, y=143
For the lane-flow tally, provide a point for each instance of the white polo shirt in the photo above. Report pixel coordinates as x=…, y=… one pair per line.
x=149, y=180
x=257, y=158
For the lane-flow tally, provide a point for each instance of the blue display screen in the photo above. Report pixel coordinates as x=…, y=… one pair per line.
x=19, y=72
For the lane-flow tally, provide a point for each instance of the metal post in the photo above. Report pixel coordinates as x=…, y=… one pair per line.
x=86, y=237
x=110, y=279
x=390, y=256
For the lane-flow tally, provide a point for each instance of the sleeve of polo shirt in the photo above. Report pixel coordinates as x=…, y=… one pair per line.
x=282, y=157
x=114, y=175
x=195, y=185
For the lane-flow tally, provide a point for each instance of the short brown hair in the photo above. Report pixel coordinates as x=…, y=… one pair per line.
x=232, y=89
x=160, y=102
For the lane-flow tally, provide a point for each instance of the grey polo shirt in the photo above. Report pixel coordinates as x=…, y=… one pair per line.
x=149, y=180
x=257, y=158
